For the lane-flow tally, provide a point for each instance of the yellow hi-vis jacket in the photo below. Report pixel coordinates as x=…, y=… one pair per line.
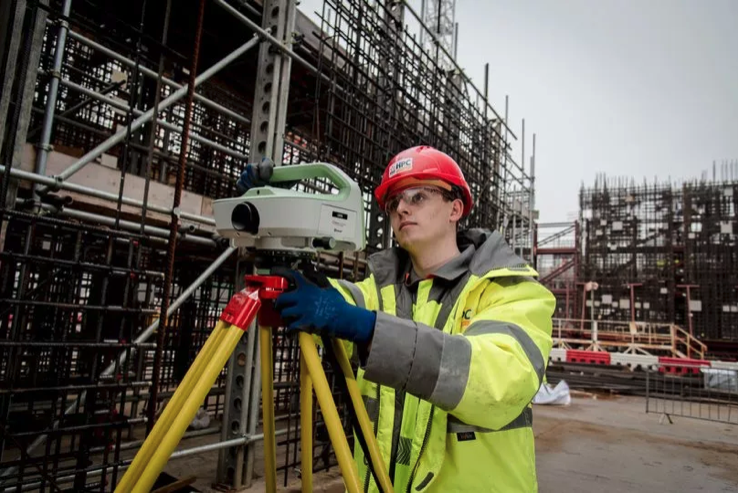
x=454, y=364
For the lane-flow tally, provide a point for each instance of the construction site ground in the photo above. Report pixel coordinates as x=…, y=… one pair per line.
x=597, y=443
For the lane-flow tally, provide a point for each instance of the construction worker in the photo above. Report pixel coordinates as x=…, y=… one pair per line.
x=453, y=335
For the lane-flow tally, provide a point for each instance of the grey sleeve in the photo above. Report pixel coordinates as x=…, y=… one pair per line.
x=419, y=359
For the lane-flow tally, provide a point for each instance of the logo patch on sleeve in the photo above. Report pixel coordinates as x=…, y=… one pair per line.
x=401, y=166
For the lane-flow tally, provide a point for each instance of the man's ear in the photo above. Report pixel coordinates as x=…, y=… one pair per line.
x=457, y=210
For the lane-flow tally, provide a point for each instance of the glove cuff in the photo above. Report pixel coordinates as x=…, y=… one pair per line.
x=359, y=323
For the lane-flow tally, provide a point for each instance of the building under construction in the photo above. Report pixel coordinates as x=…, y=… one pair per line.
x=662, y=253
x=120, y=123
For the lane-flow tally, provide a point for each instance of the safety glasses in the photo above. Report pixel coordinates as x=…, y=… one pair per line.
x=413, y=197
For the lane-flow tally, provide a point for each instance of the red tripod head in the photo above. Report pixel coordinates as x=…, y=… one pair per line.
x=269, y=288
x=257, y=299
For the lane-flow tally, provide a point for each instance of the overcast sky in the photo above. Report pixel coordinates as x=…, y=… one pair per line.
x=641, y=88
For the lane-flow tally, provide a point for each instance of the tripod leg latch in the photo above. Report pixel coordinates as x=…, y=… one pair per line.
x=241, y=309
x=260, y=293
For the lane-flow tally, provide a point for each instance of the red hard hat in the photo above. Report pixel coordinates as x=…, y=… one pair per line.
x=422, y=164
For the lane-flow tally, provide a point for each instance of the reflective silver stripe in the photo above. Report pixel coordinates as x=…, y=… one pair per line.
x=404, y=449
x=453, y=373
x=356, y=293
x=425, y=371
x=483, y=327
x=426, y=363
x=524, y=420
x=393, y=347
x=442, y=361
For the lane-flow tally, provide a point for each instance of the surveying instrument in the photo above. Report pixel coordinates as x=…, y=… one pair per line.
x=282, y=227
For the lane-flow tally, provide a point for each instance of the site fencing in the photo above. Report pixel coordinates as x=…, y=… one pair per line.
x=693, y=391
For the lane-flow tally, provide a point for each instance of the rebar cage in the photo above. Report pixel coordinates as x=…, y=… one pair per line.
x=664, y=252
x=91, y=259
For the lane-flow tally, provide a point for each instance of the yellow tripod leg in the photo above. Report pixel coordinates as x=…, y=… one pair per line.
x=267, y=403
x=364, y=423
x=306, y=424
x=330, y=414
x=164, y=422
x=189, y=409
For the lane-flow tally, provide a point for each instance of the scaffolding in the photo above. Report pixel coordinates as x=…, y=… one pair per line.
x=557, y=260
x=120, y=123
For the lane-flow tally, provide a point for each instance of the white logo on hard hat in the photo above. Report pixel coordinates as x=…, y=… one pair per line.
x=400, y=166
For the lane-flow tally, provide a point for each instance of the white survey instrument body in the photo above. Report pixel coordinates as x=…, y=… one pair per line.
x=273, y=218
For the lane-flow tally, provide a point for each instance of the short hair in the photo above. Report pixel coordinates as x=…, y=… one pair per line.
x=453, y=194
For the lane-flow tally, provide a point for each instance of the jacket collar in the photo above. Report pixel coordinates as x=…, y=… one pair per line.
x=482, y=251
x=450, y=271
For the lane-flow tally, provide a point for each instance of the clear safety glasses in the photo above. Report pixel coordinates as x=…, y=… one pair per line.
x=413, y=197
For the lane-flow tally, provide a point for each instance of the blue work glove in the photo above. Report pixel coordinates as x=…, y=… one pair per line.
x=322, y=310
x=255, y=175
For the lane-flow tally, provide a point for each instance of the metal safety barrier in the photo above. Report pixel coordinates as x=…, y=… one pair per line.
x=698, y=392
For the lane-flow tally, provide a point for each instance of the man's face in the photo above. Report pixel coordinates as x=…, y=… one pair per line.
x=420, y=216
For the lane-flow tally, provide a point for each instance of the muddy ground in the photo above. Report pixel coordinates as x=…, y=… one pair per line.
x=614, y=446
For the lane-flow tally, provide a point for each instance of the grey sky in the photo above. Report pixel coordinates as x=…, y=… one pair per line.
x=626, y=88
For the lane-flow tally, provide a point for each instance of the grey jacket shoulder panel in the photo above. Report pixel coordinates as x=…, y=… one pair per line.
x=492, y=253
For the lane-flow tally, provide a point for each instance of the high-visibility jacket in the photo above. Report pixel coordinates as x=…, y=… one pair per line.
x=454, y=364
